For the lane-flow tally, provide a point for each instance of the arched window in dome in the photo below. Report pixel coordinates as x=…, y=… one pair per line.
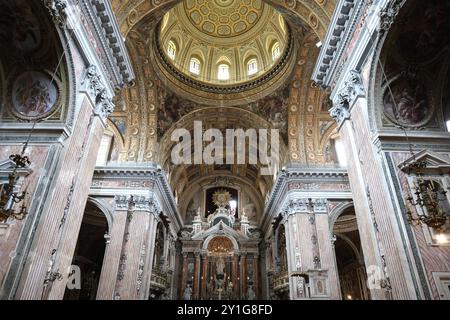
x=252, y=66
x=223, y=72
x=275, y=51
x=194, y=66
x=171, y=50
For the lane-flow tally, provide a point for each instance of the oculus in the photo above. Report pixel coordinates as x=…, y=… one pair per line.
x=405, y=102
x=34, y=95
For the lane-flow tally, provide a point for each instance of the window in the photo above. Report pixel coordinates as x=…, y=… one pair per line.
x=252, y=67
x=341, y=153
x=448, y=125
x=223, y=72
x=171, y=50
x=194, y=66
x=275, y=51
x=104, y=150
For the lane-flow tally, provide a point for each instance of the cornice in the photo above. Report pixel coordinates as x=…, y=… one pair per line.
x=293, y=173
x=101, y=18
x=148, y=171
x=340, y=32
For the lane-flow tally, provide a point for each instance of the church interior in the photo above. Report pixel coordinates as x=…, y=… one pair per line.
x=224, y=150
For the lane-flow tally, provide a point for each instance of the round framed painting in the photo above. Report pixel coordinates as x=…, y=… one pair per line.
x=34, y=95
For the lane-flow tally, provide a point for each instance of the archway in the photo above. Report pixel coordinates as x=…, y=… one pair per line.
x=221, y=274
x=89, y=253
x=349, y=257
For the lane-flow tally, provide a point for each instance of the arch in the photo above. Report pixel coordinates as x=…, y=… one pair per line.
x=350, y=243
x=223, y=71
x=104, y=209
x=275, y=50
x=314, y=14
x=171, y=49
x=212, y=236
x=195, y=65
x=337, y=211
x=391, y=59
x=252, y=66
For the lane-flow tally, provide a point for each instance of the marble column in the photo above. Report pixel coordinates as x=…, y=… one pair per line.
x=111, y=260
x=136, y=256
x=204, y=276
x=235, y=275
x=184, y=275
x=244, y=281
x=309, y=246
x=256, y=276
x=196, y=282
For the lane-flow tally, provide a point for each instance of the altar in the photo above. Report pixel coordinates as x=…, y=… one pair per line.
x=220, y=257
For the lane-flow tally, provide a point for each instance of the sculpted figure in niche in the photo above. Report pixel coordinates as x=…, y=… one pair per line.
x=406, y=102
x=249, y=208
x=187, y=292
x=251, y=293
x=220, y=266
x=192, y=209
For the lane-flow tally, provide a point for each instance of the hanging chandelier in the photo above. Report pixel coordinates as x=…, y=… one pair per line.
x=431, y=199
x=9, y=196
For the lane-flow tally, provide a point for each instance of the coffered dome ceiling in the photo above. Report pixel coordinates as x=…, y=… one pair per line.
x=223, y=32
x=223, y=18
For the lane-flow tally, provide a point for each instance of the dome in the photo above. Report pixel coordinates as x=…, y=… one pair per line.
x=223, y=42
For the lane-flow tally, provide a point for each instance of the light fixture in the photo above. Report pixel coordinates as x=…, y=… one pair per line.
x=9, y=196
x=428, y=196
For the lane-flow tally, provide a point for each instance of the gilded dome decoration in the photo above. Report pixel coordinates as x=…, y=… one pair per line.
x=223, y=42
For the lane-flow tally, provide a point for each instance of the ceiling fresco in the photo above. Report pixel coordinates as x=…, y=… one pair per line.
x=148, y=112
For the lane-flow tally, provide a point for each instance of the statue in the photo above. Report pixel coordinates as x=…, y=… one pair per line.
x=220, y=266
x=187, y=292
x=251, y=293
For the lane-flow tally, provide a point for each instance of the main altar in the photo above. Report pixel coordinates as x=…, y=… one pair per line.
x=220, y=256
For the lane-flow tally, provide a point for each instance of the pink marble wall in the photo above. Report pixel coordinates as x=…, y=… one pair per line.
x=64, y=207
x=435, y=258
x=365, y=169
x=8, y=241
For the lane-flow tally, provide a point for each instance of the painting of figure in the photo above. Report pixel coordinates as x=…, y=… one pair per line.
x=405, y=102
x=34, y=94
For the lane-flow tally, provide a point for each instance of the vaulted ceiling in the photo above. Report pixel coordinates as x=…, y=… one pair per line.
x=158, y=103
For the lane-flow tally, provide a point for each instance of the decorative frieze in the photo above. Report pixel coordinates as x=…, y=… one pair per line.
x=340, y=32
x=102, y=22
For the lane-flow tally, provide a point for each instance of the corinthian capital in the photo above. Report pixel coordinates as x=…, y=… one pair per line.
x=149, y=205
x=346, y=97
x=388, y=15
x=93, y=85
x=57, y=10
